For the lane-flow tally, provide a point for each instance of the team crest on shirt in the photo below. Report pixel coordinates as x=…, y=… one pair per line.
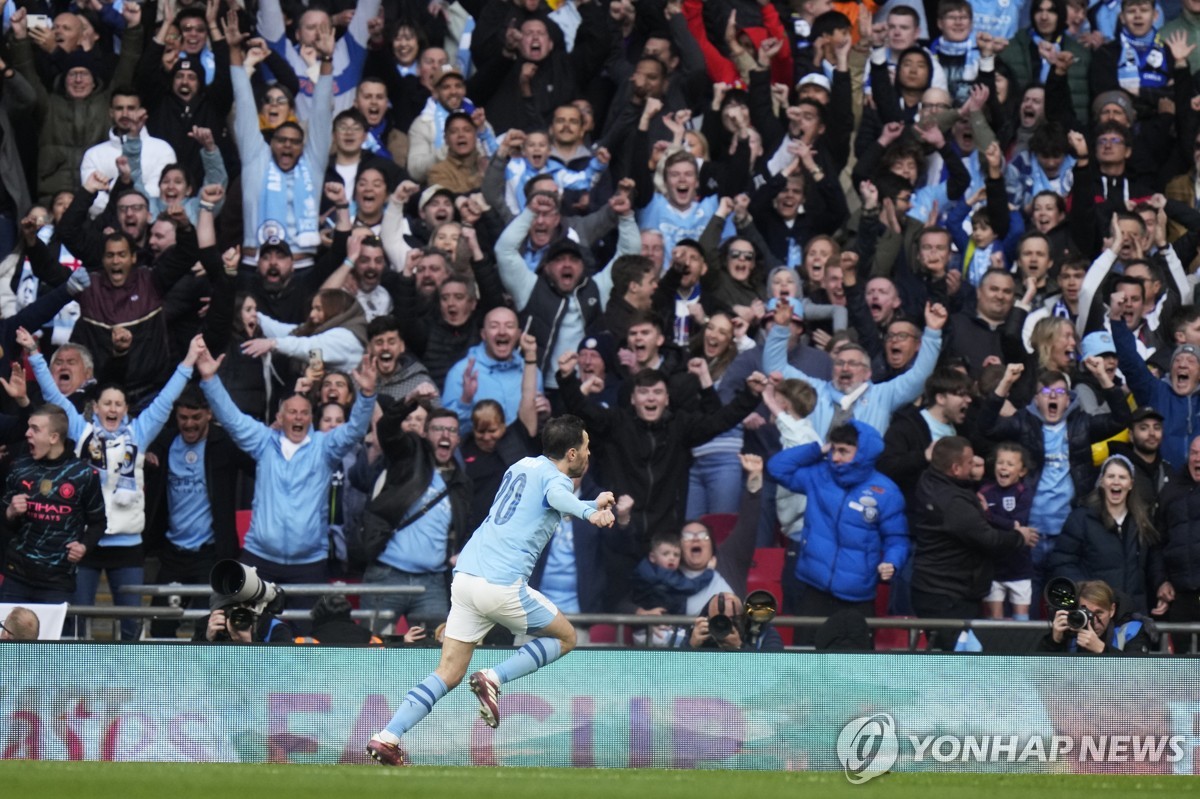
x=1009, y=504
x=46, y=487
x=66, y=490
x=191, y=457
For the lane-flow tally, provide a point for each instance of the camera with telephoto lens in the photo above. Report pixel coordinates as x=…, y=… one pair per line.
x=720, y=627
x=1061, y=594
x=242, y=594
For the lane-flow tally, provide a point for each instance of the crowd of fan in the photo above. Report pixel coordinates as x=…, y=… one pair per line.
x=928, y=266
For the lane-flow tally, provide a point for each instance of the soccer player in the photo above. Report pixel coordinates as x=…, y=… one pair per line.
x=491, y=583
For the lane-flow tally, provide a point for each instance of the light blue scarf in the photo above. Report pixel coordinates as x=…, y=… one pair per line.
x=1060, y=185
x=288, y=206
x=966, y=48
x=1143, y=62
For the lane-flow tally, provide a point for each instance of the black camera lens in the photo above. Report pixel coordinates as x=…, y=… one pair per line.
x=241, y=618
x=720, y=626
x=1079, y=618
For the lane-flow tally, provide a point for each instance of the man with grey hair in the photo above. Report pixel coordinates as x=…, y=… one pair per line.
x=73, y=371
x=851, y=392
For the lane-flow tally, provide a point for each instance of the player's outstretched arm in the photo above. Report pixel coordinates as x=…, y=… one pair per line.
x=563, y=500
x=605, y=500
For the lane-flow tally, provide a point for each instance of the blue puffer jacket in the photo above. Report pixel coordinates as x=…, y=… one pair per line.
x=855, y=518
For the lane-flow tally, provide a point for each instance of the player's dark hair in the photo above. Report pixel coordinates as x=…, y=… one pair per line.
x=560, y=434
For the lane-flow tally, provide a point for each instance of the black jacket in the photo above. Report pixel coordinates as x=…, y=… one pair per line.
x=1087, y=549
x=904, y=445
x=956, y=547
x=224, y=463
x=410, y=464
x=1176, y=558
x=650, y=461
x=1139, y=643
x=1025, y=427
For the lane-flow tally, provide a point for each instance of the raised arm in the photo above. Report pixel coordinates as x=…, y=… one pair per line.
x=41, y=372
x=251, y=435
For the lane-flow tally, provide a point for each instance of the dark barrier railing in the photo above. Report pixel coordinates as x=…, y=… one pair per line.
x=1172, y=637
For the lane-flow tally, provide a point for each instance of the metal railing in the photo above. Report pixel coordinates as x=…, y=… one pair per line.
x=152, y=612
x=1182, y=639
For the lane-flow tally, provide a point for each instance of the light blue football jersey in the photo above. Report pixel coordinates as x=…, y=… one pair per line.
x=528, y=507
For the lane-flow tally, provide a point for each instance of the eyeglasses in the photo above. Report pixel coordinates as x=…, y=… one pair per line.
x=900, y=336
x=937, y=106
x=1049, y=391
x=842, y=363
x=443, y=428
x=124, y=209
x=1113, y=141
x=742, y=255
x=275, y=100
x=695, y=535
x=347, y=127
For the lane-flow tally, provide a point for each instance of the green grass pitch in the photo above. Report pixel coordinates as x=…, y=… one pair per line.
x=53, y=779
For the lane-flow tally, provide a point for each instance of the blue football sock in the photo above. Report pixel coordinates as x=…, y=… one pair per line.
x=417, y=704
x=1020, y=617
x=529, y=658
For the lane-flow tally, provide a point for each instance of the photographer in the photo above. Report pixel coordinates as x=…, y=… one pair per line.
x=243, y=608
x=223, y=625
x=1097, y=625
x=734, y=626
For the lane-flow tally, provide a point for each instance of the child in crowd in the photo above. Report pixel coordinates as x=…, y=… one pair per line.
x=657, y=581
x=535, y=160
x=1009, y=500
x=790, y=403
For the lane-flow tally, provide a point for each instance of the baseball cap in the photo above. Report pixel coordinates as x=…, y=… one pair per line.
x=275, y=243
x=1146, y=412
x=1098, y=343
x=449, y=71
x=1185, y=349
x=434, y=190
x=189, y=65
x=815, y=79
x=563, y=246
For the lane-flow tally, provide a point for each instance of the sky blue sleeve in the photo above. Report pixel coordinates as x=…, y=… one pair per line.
x=75, y=421
x=560, y=497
